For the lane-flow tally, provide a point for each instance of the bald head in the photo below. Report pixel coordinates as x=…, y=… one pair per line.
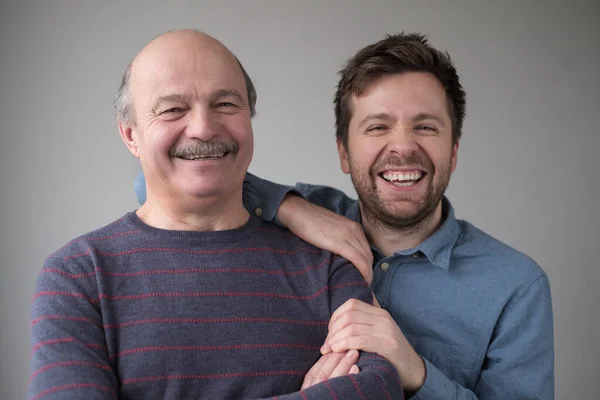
x=176, y=47
x=176, y=53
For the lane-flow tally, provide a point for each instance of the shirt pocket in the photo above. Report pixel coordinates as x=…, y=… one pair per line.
x=453, y=360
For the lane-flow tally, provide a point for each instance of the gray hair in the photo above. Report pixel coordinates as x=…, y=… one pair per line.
x=124, y=109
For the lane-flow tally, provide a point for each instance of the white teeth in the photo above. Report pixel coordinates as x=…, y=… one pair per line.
x=409, y=183
x=205, y=157
x=407, y=177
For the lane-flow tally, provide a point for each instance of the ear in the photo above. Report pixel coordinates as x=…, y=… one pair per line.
x=343, y=157
x=130, y=137
x=454, y=155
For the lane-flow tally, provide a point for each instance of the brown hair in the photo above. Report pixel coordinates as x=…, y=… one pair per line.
x=394, y=55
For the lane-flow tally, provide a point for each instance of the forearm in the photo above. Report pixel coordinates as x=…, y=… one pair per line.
x=268, y=197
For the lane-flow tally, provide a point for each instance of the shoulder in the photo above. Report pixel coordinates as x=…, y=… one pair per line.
x=505, y=262
x=274, y=235
x=102, y=238
x=286, y=245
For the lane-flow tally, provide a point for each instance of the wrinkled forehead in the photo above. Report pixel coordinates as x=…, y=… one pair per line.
x=184, y=67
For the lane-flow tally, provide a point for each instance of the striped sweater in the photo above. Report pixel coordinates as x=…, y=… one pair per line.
x=134, y=312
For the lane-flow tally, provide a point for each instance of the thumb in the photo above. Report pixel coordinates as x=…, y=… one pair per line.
x=375, y=302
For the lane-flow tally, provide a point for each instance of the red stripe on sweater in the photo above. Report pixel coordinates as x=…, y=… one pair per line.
x=215, y=348
x=362, y=396
x=211, y=321
x=66, y=364
x=270, y=230
x=65, y=317
x=372, y=356
x=196, y=252
x=357, y=283
x=66, y=274
x=387, y=395
x=68, y=294
x=65, y=340
x=97, y=239
x=303, y=395
x=389, y=371
x=199, y=270
x=211, y=376
x=74, y=386
x=210, y=294
x=193, y=294
x=333, y=395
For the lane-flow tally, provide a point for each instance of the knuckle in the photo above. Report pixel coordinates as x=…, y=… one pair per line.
x=353, y=330
x=346, y=319
x=353, y=304
x=363, y=341
x=321, y=376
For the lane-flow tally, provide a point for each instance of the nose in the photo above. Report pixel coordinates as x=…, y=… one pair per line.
x=402, y=141
x=202, y=124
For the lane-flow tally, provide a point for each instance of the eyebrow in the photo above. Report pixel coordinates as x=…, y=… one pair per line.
x=425, y=116
x=186, y=97
x=219, y=94
x=378, y=116
x=176, y=97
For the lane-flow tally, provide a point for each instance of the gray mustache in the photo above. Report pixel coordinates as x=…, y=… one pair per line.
x=205, y=148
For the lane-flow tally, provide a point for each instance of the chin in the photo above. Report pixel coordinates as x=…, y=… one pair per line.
x=205, y=191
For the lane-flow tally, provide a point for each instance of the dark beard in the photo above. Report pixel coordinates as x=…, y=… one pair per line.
x=376, y=211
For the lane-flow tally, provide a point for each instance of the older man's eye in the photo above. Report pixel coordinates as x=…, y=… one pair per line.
x=172, y=110
x=376, y=128
x=226, y=104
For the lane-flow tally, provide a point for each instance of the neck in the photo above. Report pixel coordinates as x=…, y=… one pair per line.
x=389, y=240
x=195, y=214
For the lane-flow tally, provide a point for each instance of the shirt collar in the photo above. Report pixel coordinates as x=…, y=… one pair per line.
x=438, y=247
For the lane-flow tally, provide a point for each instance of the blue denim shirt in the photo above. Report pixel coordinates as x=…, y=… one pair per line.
x=477, y=311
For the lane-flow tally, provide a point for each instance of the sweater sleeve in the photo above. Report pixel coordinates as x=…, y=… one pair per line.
x=377, y=379
x=68, y=357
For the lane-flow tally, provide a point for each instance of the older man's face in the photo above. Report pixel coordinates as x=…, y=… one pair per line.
x=192, y=117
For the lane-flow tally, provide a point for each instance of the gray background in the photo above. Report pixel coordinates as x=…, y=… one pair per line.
x=527, y=171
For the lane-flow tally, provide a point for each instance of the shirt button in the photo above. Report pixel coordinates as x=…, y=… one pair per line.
x=416, y=255
x=258, y=211
x=385, y=266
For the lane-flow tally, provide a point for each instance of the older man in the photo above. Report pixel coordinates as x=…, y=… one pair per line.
x=463, y=315
x=190, y=296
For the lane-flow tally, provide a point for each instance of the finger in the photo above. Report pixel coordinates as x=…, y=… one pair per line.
x=365, y=248
x=358, y=234
x=335, y=339
x=353, y=251
x=366, y=343
x=308, y=378
x=345, y=364
x=356, y=318
x=354, y=370
x=322, y=370
x=364, y=262
x=350, y=308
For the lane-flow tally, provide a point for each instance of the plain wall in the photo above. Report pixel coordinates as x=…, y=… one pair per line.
x=527, y=171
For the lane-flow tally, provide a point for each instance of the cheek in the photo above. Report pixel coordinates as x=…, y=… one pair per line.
x=439, y=155
x=241, y=131
x=165, y=135
x=364, y=154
